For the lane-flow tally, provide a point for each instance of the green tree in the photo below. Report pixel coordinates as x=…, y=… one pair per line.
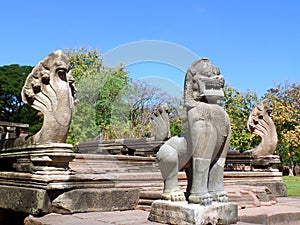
x=109, y=103
x=116, y=80
x=98, y=87
x=135, y=107
x=285, y=101
x=12, y=109
x=85, y=63
x=238, y=106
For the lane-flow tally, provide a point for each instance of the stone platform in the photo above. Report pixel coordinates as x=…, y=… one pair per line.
x=143, y=173
x=287, y=211
x=94, y=176
x=40, y=194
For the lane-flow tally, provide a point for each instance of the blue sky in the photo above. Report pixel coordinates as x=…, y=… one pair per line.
x=255, y=43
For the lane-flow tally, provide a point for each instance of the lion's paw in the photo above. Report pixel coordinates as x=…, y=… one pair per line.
x=205, y=199
x=220, y=197
x=176, y=196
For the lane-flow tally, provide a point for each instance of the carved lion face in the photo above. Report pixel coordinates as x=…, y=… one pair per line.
x=208, y=83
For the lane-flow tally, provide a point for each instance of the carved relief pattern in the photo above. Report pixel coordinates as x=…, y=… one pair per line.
x=50, y=89
x=261, y=123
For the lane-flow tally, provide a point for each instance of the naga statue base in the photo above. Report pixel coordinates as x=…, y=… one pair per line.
x=44, y=159
x=265, y=163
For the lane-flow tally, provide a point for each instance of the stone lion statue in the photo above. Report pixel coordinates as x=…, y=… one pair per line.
x=202, y=151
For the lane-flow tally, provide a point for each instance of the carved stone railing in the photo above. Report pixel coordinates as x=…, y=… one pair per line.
x=237, y=161
x=12, y=130
x=160, y=126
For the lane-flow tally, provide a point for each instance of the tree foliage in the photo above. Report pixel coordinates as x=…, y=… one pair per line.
x=98, y=87
x=109, y=103
x=135, y=108
x=238, y=106
x=285, y=101
x=116, y=80
x=12, y=109
x=85, y=63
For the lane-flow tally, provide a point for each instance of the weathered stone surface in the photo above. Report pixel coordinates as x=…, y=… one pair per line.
x=55, y=219
x=160, y=123
x=51, y=158
x=26, y=200
x=261, y=123
x=100, y=164
x=202, y=151
x=128, y=217
x=141, y=172
x=183, y=213
x=50, y=89
x=272, y=180
x=96, y=200
x=278, y=188
x=250, y=196
x=286, y=212
x=265, y=163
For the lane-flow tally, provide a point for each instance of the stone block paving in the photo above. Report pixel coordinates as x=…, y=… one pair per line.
x=285, y=212
x=130, y=217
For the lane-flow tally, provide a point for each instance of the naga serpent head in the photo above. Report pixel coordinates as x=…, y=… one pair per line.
x=50, y=89
x=260, y=122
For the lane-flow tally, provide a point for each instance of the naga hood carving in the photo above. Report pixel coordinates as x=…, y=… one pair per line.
x=261, y=123
x=50, y=89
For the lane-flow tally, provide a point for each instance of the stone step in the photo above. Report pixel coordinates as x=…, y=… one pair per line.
x=143, y=173
x=286, y=212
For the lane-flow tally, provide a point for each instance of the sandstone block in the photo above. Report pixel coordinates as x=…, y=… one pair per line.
x=26, y=200
x=96, y=200
x=184, y=213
